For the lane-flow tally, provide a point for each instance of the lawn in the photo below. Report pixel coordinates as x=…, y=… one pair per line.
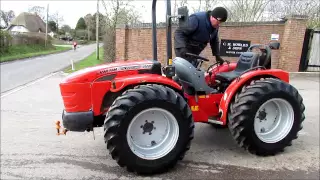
x=26, y=51
x=89, y=61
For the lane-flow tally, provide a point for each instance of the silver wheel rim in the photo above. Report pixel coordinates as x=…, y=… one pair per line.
x=273, y=120
x=153, y=133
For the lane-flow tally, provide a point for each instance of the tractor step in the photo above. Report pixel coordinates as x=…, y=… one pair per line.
x=215, y=121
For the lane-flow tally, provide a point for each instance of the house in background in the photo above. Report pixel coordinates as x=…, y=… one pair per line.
x=28, y=22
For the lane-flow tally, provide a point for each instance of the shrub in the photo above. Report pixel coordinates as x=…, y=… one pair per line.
x=81, y=34
x=83, y=42
x=5, y=41
x=109, y=46
x=30, y=39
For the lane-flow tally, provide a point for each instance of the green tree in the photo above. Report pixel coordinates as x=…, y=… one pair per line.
x=66, y=28
x=81, y=24
x=53, y=26
x=57, y=18
x=102, y=25
x=89, y=19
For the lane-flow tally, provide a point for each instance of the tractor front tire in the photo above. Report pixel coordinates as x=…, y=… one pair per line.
x=266, y=116
x=148, y=129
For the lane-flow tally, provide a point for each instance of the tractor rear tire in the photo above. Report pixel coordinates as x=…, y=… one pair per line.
x=249, y=124
x=155, y=117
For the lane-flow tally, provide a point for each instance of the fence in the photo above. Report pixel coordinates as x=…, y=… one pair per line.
x=310, y=58
x=19, y=38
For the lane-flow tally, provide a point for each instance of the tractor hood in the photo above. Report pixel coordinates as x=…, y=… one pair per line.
x=92, y=73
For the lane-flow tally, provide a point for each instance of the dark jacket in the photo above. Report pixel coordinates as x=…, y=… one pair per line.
x=197, y=35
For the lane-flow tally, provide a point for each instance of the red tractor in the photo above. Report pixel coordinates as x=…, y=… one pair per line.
x=148, y=111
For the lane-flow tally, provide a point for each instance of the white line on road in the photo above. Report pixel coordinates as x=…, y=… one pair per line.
x=26, y=85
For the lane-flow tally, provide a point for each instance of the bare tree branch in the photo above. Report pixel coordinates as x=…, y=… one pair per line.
x=57, y=18
x=246, y=10
x=280, y=8
x=38, y=10
x=117, y=12
x=7, y=17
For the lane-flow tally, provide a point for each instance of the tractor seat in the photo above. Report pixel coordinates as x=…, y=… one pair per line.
x=246, y=61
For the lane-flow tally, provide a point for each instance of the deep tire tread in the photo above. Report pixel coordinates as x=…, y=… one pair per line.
x=240, y=113
x=122, y=105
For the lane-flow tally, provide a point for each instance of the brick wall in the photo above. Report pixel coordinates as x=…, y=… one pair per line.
x=136, y=42
x=292, y=42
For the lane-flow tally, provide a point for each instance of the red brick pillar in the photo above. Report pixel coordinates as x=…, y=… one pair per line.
x=275, y=56
x=292, y=42
x=121, y=38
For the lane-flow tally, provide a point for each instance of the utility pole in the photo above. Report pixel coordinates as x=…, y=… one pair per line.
x=46, y=39
x=57, y=22
x=97, y=29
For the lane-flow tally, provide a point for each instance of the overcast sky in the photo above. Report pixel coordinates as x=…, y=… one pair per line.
x=72, y=10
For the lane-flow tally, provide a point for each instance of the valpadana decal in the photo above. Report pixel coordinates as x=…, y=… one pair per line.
x=126, y=68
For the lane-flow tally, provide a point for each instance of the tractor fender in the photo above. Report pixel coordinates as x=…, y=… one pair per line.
x=119, y=83
x=110, y=89
x=238, y=83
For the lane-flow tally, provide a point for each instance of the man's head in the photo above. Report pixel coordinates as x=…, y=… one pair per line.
x=217, y=16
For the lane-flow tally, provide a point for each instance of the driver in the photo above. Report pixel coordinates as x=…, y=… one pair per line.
x=203, y=28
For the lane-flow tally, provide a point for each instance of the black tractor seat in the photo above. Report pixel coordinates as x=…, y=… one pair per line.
x=228, y=76
x=247, y=60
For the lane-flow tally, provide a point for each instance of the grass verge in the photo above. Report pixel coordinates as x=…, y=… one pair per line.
x=27, y=51
x=89, y=61
x=80, y=42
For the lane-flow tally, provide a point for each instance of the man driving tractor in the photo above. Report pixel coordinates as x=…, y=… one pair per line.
x=203, y=28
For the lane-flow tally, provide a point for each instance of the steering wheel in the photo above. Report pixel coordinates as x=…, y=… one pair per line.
x=197, y=56
x=212, y=65
x=205, y=59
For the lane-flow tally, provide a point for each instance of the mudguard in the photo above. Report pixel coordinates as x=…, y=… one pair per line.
x=100, y=88
x=236, y=85
x=119, y=83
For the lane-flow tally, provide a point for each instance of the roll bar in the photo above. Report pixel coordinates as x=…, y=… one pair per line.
x=183, y=21
x=154, y=30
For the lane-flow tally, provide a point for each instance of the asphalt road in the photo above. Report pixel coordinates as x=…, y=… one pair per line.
x=17, y=73
x=31, y=150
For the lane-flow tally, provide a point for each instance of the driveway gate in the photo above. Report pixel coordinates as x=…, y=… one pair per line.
x=310, y=57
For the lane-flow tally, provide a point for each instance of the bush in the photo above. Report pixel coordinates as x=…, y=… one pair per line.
x=83, y=42
x=81, y=34
x=109, y=42
x=30, y=39
x=5, y=41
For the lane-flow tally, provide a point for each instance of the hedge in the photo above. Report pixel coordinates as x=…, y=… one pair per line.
x=5, y=41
